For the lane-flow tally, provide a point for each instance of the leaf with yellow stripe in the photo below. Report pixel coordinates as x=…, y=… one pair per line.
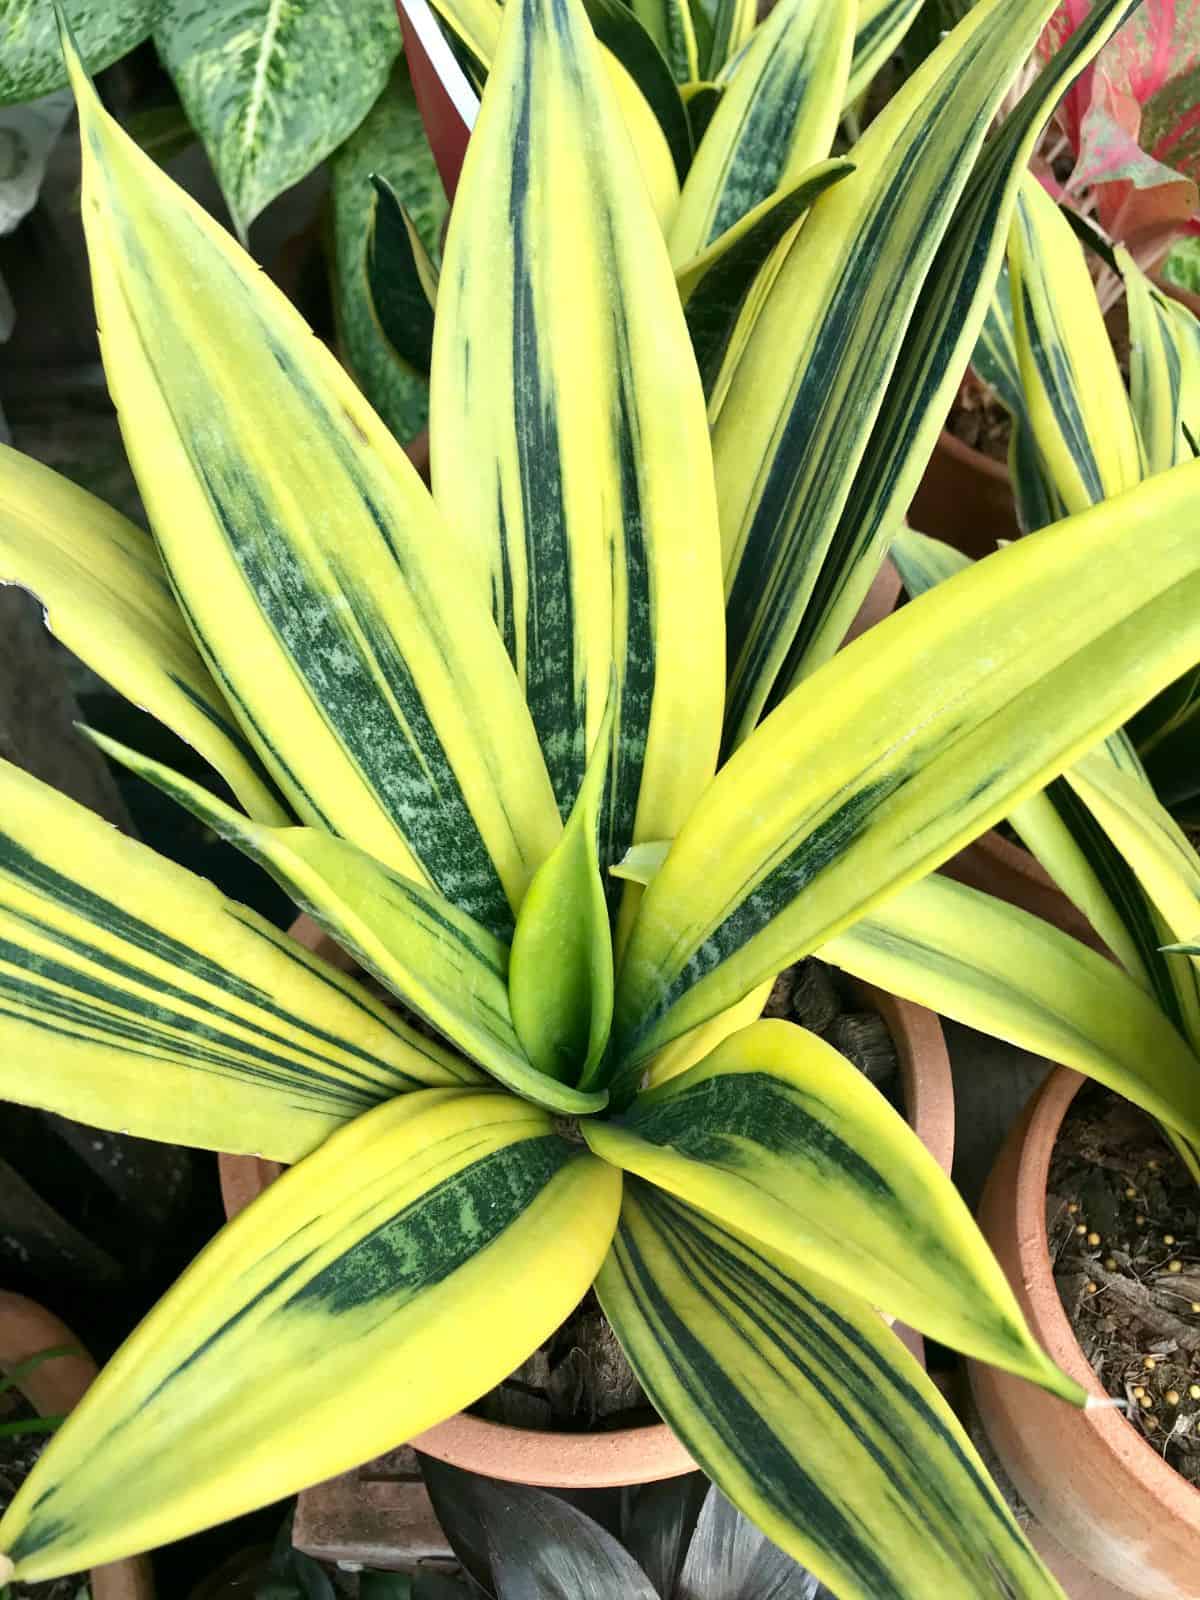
x=446, y=966
x=669, y=23
x=881, y=26
x=934, y=348
x=1054, y=826
x=776, y=119
x=106, y=597
x=570, y=441
x=134, y=995
x=307, y=556
x=715, y=284
x=782, y=1138
x=354, y=1290
x=793, y=428
x=1012, y=975
x=1077, y=403
x=818, y=816
x=722, y=28
x=619, y=30
x=1149, y=839
x=477, y=24
x=1155, y=368
x=809, y=1412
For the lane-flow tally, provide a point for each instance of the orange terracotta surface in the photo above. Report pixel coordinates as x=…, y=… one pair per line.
x=53, y=1388
x=964, y=498
x=1007, y=870
x=1094, y=1483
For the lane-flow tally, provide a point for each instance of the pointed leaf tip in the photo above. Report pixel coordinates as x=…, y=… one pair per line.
x=561, y=966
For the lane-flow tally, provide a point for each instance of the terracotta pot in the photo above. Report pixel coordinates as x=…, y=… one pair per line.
x=52, y=1389
x=1097, y=1487
x=965, y=498
x=1008, y=871
x=643, y=1454
x=879, y=602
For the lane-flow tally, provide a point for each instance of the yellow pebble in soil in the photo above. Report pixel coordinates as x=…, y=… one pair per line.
x=1168, y=1238
x=1196, y=1307
x=1072, y=1206
x=1150, y=1421
x=1174, y=1266
x=1172, y=1397
x=1131, y=1194
x=1138, y=1391
x=1110, y=1263
x=1145, y=1401
x=1080, y=1229
x=1093, y=1239
x=1194, y=1391
x=1149, y=1363
x=1140, y=1220
x=1153, y=1165
x=1091, y=1288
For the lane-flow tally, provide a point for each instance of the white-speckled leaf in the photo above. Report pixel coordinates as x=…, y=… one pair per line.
x=272, y=86
x=31, y=61
x=390, y=143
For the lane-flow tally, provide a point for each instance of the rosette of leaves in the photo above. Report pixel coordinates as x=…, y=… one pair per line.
x=442, y=720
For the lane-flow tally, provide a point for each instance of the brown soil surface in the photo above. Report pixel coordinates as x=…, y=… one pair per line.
x=1123, y=1220
x=978, y=419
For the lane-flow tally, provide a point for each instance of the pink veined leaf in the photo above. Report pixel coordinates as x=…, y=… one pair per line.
x=1133, y=123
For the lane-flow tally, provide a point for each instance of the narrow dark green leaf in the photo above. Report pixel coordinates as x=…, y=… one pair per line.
x=712, y=307
x=625, y=35
x=398, y=272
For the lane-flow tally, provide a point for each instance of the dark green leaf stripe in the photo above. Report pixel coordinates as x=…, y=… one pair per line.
x=760, y=156
x=446, y=967
x=780, y=516
x=776, y=119
x=936, y=345
x=579, y=462
x=784, y=847
x=622, y=31
x=722, y=28
x=881, y=26
x=669, y=25
x=1155, y=369
x=335, y=1281
x=308, y=556
x=720, y=291
x=806, y=1410
x=317, y=1064
x=125, y=981
x=1010, y=974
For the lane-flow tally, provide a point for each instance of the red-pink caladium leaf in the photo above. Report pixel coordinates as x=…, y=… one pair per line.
x=1133, y=122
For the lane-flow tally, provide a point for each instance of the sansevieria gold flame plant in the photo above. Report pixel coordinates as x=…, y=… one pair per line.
x=442, y=720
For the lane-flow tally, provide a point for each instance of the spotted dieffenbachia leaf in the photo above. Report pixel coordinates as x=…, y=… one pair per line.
x=272, y=86
x=31, y=61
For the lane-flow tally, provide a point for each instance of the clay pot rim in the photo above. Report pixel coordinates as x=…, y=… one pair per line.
x=1048, y=1321
x=644, y=1454
x=26, y=1327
